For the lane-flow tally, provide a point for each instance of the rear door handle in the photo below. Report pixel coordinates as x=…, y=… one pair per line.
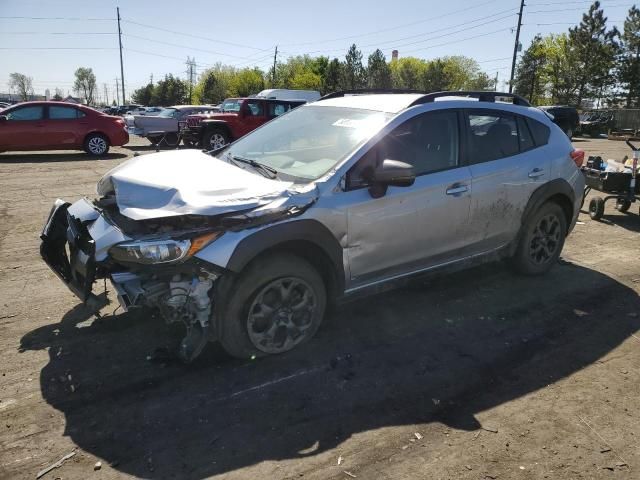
x=457, y=189
x=536, y=172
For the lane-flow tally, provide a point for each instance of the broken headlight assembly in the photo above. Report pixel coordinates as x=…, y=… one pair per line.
x=151, y=252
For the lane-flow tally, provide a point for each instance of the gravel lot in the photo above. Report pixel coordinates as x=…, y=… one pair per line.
x=479, y=375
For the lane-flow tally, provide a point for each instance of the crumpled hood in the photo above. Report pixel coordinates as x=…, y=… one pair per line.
x=187, y=182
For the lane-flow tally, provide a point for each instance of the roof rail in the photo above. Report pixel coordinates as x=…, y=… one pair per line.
x=369, y=91
x=482, y=96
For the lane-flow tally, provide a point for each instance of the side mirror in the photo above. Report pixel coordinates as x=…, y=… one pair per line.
x=390, y=173
x=3, y=118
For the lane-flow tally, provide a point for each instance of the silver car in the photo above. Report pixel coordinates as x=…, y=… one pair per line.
x=248, y=245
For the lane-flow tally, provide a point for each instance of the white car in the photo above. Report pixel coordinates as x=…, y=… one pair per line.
x=164, y=125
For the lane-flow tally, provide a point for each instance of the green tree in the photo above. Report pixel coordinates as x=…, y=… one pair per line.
x=629, y=68
x=408, y=72
x=246, y=82
x=85, y=84
x=378, y=71
x=435, y=77
x=331, y=80
x=144, y=95
x=169, y=91
x=530, y=79
x=58, y=94
x=22, y=83
x=353, y=72
x=595, y=50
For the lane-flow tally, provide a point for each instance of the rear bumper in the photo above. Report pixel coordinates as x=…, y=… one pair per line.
x=69, y=251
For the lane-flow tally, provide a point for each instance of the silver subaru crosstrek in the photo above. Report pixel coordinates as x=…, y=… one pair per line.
x=247, y=245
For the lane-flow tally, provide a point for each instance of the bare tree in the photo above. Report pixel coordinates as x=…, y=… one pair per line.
x=85, y=84
x=22, y=83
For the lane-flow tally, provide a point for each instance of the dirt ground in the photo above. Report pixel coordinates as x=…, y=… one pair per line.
x=479, y=375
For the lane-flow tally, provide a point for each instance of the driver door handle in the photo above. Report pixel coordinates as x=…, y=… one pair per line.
x=536, y=172
x=456, y=189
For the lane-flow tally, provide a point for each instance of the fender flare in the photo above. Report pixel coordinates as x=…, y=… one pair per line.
x=305, y=230
x=212, y=123
x=558, y=186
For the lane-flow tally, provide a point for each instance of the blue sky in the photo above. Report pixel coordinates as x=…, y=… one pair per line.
x=158, y=35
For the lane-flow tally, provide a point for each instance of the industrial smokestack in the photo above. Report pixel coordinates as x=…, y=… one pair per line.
x=394, y=55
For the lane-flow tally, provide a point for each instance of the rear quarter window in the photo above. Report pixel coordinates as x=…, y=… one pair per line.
x=539, y=131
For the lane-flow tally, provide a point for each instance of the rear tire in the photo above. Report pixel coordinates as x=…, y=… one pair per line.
x=276, y=304
x=596, y=208
x=96, y=144
x=541, y=240
x=214, y=139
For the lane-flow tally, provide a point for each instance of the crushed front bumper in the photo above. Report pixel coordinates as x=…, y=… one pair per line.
x=68, y=249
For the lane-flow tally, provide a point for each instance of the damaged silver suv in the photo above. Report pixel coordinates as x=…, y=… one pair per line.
x=247, y=245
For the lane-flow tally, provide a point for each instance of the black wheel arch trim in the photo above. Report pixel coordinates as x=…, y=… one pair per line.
x=304, y=230
x=208, y=125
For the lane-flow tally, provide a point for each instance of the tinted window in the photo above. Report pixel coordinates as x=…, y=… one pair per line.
x=429, y=142
x=64, y=113
x=26, y=113
x=539, y=131
x=492, y=135
x=255, y=108
x=277, y=109
x=524, y=135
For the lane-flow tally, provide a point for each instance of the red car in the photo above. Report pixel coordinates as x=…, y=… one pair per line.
x=59, y=126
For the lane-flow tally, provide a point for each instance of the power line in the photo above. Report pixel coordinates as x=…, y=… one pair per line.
x=461, y=40
x=58, y=33
x=58, y=48
x=195, y=36
x=457, y=11
x=58, y=18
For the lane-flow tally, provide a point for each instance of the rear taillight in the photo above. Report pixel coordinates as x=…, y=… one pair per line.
x=577, y=156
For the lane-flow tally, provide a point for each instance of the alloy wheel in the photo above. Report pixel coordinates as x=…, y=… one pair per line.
x=545, y=239
x=97, y=145
x=281, y=315
x=217, y=141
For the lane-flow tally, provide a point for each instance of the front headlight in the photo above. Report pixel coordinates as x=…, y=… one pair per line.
x=150, y=252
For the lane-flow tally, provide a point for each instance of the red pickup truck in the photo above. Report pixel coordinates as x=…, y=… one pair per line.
x=237, y=117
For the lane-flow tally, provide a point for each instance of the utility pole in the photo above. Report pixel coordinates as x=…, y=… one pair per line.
x=191, y=63
x=106, y=95
x=275, y=59
x=122, y=65
x=118, y=92
x=515, y=47
x=495, y=84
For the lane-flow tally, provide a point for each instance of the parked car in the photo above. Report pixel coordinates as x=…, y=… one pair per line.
x=248, y=245
x=152, y=111
x=565, y=117
x=126, y=109
x=238, y=116
x=596, y=122
x=4, y=105
x=284, y=94
x=164, y=125
x=59, y=126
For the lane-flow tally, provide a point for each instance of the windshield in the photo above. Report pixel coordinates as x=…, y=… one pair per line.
x=231, y=105
x=168, y=112
x=307, y=142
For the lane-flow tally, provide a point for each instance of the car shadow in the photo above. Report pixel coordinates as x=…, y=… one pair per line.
x=434, y=350
x=31, y=157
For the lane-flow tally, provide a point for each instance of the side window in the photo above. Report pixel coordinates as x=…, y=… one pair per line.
x=524, y=135
x=26, y=113
x=277, y=109
x=429, y=142
x=255, y=108
x=492, y=135
x=539, y=131
x=63, y=113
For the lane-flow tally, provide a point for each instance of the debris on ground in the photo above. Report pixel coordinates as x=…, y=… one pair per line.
x=418, y=435
x=97, y=466
x=53, y=466
x=339, y=460
x=349, y=474
x=580, y=313
x=490, y=429
x=605, y=450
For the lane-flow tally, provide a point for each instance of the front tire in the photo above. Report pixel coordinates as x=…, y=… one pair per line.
x=275, y=305
x=96, y=144
x=214, y=139
x=541, y=240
